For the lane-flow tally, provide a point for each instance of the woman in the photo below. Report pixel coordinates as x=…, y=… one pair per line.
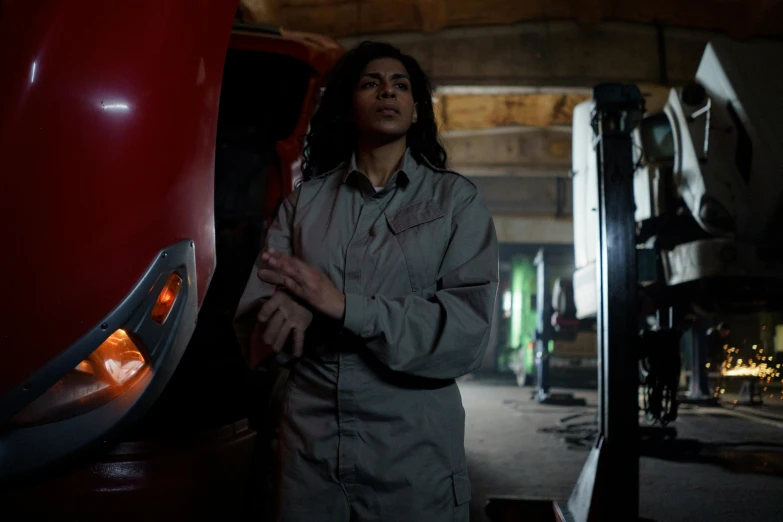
x=382, y=268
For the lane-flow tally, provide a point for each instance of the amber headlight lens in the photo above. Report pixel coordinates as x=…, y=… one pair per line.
x=166, y=299
x=115, y=366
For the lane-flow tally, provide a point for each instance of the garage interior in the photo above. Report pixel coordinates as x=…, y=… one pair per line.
x=508, y=77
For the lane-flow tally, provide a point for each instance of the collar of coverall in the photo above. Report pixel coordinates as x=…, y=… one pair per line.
x=406, y=171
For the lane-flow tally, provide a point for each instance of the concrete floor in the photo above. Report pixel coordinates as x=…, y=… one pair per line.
x=514, y=449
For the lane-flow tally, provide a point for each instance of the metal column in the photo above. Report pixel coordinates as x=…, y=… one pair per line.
x=543, y=326
x=545, y=333
x=609, y=482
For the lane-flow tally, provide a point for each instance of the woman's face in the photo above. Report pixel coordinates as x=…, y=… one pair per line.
x=383, y=100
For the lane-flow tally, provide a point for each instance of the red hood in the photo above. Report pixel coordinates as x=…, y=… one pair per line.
x=108, y=115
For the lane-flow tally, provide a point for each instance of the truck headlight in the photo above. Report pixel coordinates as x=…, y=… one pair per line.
x=115, y=366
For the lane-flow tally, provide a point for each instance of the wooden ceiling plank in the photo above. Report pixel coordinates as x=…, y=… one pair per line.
x=488, y=111
x=432, y=15
x=331, y=20
x=471, y=12
x=340, y=18
x=537, y=147
x=261, y=12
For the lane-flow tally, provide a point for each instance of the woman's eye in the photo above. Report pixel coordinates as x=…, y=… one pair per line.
x=403, y=86
x=368, y=84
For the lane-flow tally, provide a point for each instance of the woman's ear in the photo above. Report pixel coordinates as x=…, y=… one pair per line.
x=415, y=113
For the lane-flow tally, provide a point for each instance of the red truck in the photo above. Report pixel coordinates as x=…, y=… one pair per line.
x=144, y=147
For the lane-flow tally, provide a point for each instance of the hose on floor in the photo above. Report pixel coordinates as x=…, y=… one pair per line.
x=575, y=433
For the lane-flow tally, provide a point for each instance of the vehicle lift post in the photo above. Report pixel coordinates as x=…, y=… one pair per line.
x=544, y=333
x=609, y=482
x=696, y=340
x=608, y=486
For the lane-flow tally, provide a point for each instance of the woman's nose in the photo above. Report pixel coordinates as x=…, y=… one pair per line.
x=388, y=92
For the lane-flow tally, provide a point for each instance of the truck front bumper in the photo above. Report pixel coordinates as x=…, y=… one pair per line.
x=28, y=449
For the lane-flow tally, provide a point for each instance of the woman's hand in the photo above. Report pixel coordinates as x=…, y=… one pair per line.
x=303, y=281
x=282, y=316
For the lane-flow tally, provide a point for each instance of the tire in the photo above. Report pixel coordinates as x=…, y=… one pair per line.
x=563, y=298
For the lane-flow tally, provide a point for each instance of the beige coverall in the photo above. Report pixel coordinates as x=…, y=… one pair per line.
x=373, y=425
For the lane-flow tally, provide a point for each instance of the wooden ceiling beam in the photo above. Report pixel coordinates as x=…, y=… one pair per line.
x=550, y=54
x=757, y=18
x=433, y=15
x=522, y=229
x=526, y=196
x=260, y=12
x=458, y=111
x=340, y=18
x=515, y=152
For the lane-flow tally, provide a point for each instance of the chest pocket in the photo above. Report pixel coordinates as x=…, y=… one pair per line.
x=420, y=231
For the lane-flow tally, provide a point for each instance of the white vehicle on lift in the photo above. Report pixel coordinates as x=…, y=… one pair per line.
x=708, y=189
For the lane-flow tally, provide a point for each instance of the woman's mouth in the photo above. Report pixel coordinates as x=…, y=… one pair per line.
x=388, y=110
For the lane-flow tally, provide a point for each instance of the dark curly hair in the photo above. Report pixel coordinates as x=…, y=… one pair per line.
x=332, y=135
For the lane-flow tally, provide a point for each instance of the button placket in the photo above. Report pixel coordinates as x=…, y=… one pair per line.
x=346, y=396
